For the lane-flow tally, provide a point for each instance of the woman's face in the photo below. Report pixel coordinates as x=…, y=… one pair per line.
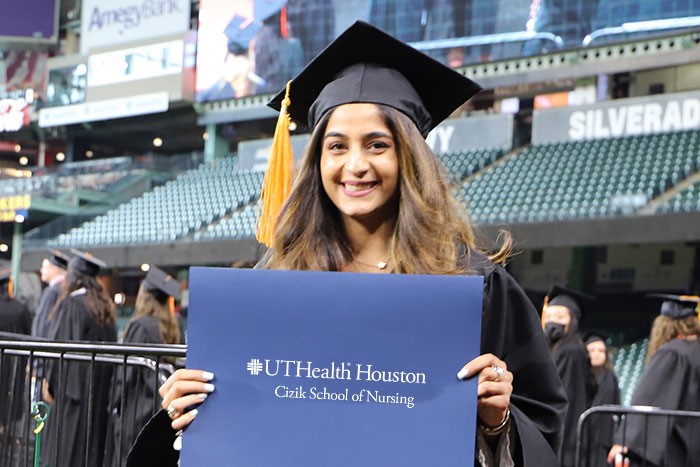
x=359, y=164
x=597, y=352
x=558, y=314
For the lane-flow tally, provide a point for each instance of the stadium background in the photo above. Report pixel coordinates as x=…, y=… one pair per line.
x=585, y=143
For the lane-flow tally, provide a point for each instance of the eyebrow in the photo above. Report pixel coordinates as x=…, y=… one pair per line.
x=371, y=135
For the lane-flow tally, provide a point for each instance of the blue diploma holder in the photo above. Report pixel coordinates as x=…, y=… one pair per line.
x=321, y=369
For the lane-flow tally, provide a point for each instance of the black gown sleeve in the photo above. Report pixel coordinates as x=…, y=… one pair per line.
x=662, y=385
x=511, y=330
x=154, y=444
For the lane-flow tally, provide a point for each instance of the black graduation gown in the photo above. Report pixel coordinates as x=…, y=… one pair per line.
x=670, y=381
x=574, y=369
x=70, y=416
x=140, y=394
x=511, y=330
x=46, y=303
x=15, y=318
x=601, y=427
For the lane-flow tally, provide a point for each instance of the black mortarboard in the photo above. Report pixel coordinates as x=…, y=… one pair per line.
x=678, y=306
x=240, y=32
x=85, y=263
x=572, y=299
x=161, y=284
x=367, y=65
x=595, y=336
x=58, y=259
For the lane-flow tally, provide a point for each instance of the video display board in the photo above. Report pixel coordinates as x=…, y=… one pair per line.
x=248, y=47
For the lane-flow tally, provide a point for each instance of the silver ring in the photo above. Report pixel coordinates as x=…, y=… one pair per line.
x=171, y=412
x=499, y=371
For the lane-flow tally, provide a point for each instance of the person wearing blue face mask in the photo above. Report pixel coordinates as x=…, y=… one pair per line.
x=561, y=316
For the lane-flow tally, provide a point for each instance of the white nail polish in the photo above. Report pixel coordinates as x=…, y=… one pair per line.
x=202, y=396
x=207, y=376
x=209, y=387
x=194, y=413
x=463, y=373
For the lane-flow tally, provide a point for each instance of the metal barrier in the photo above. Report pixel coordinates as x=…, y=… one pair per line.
x=654, y=437
x=120, y=379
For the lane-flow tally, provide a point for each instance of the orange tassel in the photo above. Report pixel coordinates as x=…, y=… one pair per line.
x=171, y=305
x=10, y=288
x=278, y=178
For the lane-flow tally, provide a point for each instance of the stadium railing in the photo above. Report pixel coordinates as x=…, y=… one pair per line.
x=20, y=390
x=602, y=426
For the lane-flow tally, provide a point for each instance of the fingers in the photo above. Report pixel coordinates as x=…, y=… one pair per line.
x=480, y=363
x=183, y=388
x=183, y=420
x=182, y=374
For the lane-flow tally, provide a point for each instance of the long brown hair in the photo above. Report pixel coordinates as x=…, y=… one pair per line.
x=148, y=305
x=666, y=328
x=432, y=233
x=96, y=297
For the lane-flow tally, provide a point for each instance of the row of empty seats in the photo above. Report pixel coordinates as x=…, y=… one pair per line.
x=629, y=365
x=173, y=211
x=580, y=180
x=687, y=200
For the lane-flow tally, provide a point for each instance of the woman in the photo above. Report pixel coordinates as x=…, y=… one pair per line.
x=370, y=197
x=607, y=393
x=83, y=312
x=670, y=381
x=154, y=322
x=561, y=315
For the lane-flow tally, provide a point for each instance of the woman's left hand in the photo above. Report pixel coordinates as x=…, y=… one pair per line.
x=494, y=388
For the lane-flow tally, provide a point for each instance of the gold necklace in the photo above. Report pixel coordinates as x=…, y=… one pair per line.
x=379, y=265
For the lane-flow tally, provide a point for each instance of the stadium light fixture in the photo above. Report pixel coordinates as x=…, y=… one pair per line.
x=19, y=218
x=145, y=267
x=60, y=157
x=119, y=298
x=24, y=160
x=205, y=136
x=157, y=142
x=89, y=154
x=4, y=247
x=18, y=147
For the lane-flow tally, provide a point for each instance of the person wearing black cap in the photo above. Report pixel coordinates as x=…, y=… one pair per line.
x=52, y=273
x=561, y=316
x=83, y=312
x=671, y=380
x=15, y=318
x=153, y=322
x=608, y=392
x=371, y=197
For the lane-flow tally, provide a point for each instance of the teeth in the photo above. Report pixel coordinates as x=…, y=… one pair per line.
x=360, y=187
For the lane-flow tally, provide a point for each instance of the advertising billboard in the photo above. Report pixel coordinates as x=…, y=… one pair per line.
x=112, y=22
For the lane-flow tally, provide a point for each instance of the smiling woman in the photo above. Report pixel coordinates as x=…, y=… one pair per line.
x=370, y=197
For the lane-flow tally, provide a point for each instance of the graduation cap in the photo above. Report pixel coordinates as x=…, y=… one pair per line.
x=85, y=263
x=572, y=299
x=362, y=65
x=263, y=9
x=678, y=306
x=367, y=65
x=161, y=284
x=595, y=335
x=58, y=259
x=239, y=32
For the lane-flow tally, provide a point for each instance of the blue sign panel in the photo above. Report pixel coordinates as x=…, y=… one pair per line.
x=341, y=369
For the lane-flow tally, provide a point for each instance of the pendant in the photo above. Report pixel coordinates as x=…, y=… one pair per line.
x=381, y=265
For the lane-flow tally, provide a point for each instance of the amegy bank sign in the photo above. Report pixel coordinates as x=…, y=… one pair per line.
x=625, y=117
x=110, y=22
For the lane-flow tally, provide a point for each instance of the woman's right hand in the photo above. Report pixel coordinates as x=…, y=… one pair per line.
x=184, y=389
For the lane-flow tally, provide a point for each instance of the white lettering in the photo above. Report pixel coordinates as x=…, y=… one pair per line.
x=691, y=114
x=672, y=118
x=617, y=118
x=635, y=113
x=577, y=125
x=600, y=131
x=652, y=118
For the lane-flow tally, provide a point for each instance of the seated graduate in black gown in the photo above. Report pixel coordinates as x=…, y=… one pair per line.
x=83, y=312
x=371, y=197
x=561, y=316
x=671, y=381
x=601, y=426
x=135, y=397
